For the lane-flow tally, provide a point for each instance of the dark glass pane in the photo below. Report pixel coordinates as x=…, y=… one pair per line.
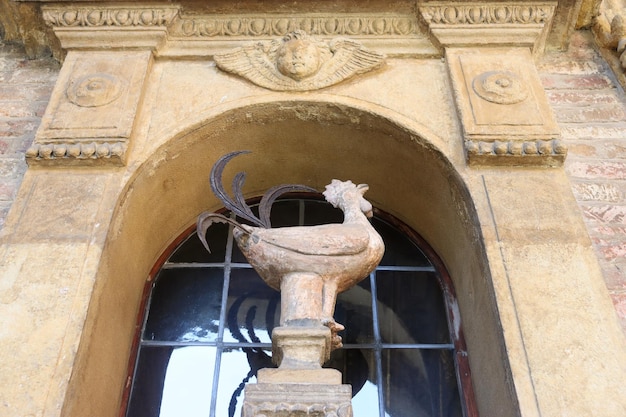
x=192, y=250
x=171, y=382
x=354, y=310
x=399, y=250
x=420, y=383
x=411, y=308
x=253, y=308
x=321, y=212
x=185, y=305
x=238, y=368
x=285, y=213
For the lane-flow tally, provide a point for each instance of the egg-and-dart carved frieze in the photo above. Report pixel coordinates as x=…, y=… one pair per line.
x=98, y=17
x=478, y=14
x=237, y=26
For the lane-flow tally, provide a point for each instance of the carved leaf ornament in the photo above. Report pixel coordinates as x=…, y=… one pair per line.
x=297, y=62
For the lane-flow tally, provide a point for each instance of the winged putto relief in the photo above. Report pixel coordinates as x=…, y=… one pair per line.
x=297, y=62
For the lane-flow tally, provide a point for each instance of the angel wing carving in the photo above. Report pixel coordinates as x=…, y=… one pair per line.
x=299, y=63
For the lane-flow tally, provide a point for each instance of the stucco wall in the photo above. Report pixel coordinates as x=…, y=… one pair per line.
x=589, y=104
x=539, y=252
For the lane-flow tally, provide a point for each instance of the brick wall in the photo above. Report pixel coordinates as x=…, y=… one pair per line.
x=590, y=107
x=25, y=88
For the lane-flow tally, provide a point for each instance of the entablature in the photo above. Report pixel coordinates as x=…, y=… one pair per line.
x=489, y=48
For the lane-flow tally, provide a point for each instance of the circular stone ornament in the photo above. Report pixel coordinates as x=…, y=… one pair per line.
x=501, y=87
x=95, y=90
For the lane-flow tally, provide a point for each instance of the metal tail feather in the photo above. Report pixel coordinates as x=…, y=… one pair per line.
x=206, y=219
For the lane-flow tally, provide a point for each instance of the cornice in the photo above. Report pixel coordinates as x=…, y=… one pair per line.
x=392, y=34
x=487, y=14
x=523, y=24
x=170, y=32
x=108, y=16
x=252, y=26
x=93, y=26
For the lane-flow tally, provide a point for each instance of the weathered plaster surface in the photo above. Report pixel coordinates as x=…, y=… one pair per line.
x=79, y=243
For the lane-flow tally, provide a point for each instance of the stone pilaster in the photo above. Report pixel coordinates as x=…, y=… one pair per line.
x=489, y=51
x=92, y=111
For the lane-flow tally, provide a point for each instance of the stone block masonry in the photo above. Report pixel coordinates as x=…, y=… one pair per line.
x=25, y=88
x=590, y=107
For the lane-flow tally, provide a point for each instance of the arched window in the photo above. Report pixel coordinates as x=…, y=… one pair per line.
x=208, y=319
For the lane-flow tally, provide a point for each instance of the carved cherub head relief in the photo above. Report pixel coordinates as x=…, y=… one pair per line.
x=298, y=57
x=297, y=62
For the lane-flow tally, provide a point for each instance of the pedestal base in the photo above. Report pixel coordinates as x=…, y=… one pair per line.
x=297, y=400
x=300, y=387
x=295, y=347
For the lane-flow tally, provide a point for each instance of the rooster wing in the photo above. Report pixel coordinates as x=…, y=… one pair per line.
x=327, y=240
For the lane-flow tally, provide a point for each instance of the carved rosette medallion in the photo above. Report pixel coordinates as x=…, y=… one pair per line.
x=297, y=62
x=500, y=87
x=95, y=90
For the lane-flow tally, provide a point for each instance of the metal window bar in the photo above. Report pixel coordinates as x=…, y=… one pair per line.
x=220, y=334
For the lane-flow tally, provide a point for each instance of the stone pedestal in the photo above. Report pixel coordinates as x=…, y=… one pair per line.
x=286, y=400
x=300, y=386
x=301, y=347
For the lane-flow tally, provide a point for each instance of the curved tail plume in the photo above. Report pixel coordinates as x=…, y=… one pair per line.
x=238, y=204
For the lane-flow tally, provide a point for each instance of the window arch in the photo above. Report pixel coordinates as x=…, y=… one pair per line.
x=206, y=328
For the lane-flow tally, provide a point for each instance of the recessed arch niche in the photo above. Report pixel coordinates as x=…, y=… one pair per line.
x=303, y=142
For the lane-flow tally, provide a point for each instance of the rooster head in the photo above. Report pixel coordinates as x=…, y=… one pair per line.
x=343, y=193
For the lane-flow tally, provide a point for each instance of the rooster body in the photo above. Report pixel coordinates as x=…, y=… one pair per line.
x=337, y=255
x=310, y=265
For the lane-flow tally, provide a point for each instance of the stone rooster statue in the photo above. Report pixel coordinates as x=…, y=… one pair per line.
x=310, y=265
